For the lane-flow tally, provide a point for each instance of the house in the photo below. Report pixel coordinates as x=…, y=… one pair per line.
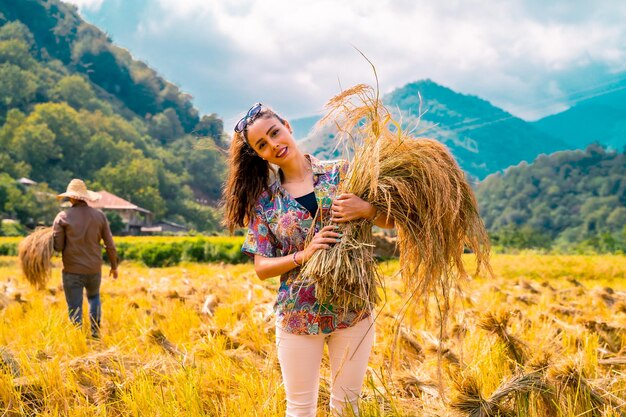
x=26, y=182
x=165, y=227
x=133, y=216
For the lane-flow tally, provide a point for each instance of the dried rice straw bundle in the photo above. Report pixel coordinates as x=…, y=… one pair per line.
x=35, y=254
x=417, y=183
x=470, y=402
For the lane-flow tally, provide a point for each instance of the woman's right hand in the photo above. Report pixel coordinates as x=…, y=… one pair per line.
x=322, y=240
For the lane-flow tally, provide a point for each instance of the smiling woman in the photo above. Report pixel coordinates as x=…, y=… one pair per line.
x=282, y=195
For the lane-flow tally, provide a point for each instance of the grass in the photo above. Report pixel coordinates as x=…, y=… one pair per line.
x=152, y=251
x=160, y=355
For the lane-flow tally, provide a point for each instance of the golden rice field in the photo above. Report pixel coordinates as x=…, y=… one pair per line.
x=545, y=337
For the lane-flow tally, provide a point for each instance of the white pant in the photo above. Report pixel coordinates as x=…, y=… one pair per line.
x=300, y=358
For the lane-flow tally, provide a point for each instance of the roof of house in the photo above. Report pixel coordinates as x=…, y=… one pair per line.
x=26, y=181
x=110, y=201
x=172, y=224
x=158, y=227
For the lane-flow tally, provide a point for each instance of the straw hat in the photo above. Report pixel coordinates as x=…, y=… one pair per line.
x=78, y=190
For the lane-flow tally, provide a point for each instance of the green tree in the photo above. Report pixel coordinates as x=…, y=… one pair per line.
x=75, y=91
x=135, y=180
x=205, y=163
x=116, y=224
x=117, y=128
x=31, y=205
x=521, y=238
x=166, y=126
x=70, y=133
x=16, y=30
x=6, y=184
x=595, y=212
x=35, y=145
x=17, y=87
x=617, y=219
x=102, y=150
x=210, y=126
x=14, y=120
x=16, y=52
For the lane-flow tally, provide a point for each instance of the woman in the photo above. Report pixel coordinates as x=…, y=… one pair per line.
x=280, y=208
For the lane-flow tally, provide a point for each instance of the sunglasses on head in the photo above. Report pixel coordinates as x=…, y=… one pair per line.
x=248, y=118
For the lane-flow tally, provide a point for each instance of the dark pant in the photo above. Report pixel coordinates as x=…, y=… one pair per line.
x=73, y=285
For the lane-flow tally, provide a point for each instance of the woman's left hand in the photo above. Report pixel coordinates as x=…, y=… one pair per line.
x=349, y=207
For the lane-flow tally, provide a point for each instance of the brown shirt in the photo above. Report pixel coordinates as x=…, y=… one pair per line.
x=77, y=235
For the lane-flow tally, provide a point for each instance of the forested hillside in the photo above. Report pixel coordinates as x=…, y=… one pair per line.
x=598, y=115
x=72, y=104
x=569, y=198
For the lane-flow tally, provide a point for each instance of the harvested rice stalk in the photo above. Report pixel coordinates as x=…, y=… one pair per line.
x=406, y=336
x=35, y=254
x=620, y=360
x=157, y=336
x=4, y=301
x=102, y=376
x=521, y=387
x=497, y=324
x=416, y=385
x=437, y=347
x=415, y=182
x=571, y=375
x=8, y=361
x=448, y=357
x=31, y=395
x=470, y=402
x=611, y=337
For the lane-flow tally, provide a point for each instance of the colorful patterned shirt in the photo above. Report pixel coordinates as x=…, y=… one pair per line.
x=279, y=228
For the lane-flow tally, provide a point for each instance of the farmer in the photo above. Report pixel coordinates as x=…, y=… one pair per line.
x=77, y=234
x=279, y=208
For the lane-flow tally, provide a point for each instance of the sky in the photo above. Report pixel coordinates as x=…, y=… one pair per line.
x=530, y=57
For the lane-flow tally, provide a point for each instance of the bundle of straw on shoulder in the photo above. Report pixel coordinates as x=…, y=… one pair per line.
x=35, y=254
x=414, y=181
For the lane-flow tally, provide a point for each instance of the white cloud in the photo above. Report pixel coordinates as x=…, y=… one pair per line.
x=290, y=53
x=93, y=5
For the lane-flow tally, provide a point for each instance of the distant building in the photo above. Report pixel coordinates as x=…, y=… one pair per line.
x=26, y=181
x=133, y=216
x=164, y=226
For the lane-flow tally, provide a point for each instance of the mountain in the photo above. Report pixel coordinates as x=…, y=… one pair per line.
x=483, y=138
x=73, y=104
x=599, y=116
x=302, y=126
x=566, y=197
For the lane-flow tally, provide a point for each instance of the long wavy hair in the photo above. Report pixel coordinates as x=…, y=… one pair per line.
x=248, y=177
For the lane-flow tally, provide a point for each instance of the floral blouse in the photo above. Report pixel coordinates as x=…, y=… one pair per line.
x=279, y=228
